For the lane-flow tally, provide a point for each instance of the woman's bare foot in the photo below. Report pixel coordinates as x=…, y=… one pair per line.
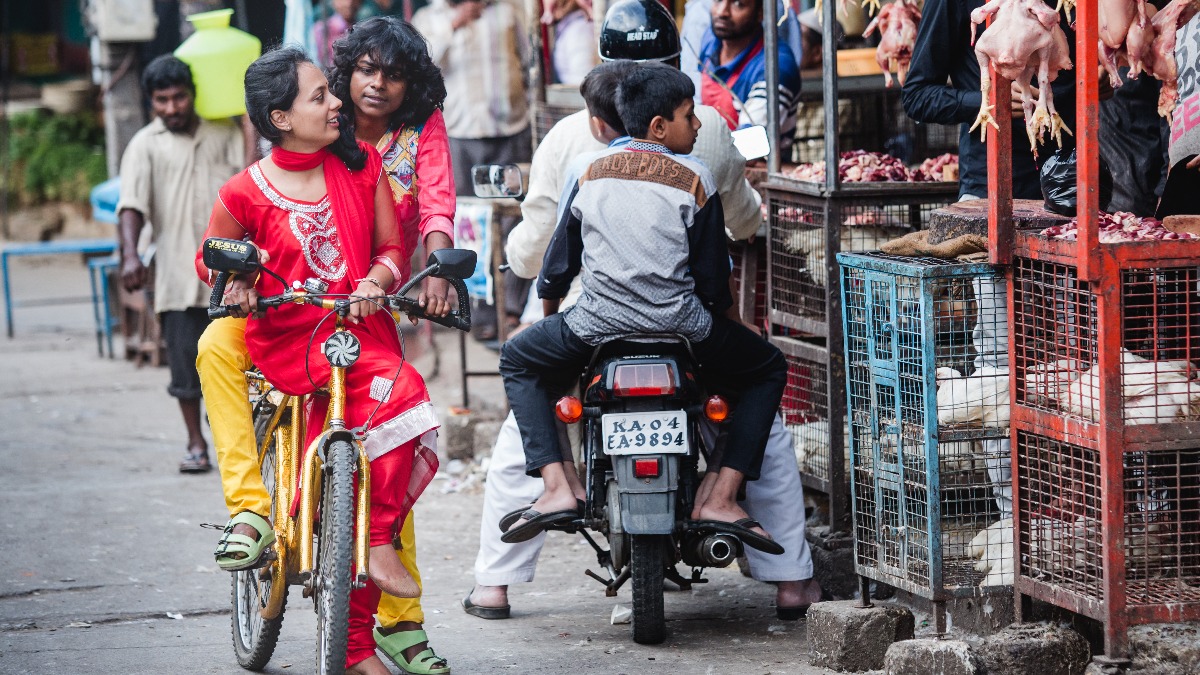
x=389, y=574
x=797, y=593
x=371, y=665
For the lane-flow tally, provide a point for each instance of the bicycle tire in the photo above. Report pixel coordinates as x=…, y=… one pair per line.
x=649, y=625
x=254, y=638
x=334, y=558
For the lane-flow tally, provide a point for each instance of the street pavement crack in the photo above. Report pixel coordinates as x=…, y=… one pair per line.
x=19, y=625
x=47, y=591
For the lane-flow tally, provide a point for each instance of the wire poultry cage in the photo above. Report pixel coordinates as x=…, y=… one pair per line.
x=809, y=226
x=927, y=385
x=1106, y=418
x=750, y=279
x=809, y=404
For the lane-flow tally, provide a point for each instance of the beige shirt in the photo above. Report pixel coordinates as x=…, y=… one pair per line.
x=485, y=66
x=172, y=180
x=572, y=137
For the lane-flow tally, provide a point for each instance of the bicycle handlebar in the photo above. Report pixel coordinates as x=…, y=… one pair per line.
x=459, y=319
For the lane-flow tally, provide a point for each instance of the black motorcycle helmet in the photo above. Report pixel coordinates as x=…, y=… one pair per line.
x=638, y=30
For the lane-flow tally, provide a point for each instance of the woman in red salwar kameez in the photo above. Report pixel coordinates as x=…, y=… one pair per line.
x=320, y=207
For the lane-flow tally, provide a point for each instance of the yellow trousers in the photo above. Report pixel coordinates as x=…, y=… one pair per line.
x=222, y=362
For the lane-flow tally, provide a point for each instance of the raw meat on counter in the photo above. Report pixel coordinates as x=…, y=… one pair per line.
x=897, y=24
x=1023, y=39
x=940, y=168
x=1118, y=227
x=859, y=166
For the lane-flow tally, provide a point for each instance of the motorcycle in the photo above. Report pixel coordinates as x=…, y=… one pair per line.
x=647, y=422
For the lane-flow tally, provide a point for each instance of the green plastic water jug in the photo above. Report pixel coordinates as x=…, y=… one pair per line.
x=219, y=56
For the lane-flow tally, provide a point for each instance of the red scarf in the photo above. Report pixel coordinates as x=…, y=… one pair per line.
x=354, y=215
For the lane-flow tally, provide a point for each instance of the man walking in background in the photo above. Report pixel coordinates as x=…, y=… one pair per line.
x=170, y=175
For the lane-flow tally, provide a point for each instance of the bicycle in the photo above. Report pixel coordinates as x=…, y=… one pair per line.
x=326, y=468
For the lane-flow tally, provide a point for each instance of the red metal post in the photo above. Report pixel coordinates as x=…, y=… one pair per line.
x=1087, y=131
x=999, y=157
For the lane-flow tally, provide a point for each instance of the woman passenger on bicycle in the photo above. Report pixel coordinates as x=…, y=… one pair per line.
x=319, y=205
x=392, y=93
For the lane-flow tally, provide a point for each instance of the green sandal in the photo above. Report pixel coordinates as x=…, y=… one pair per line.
x=236, y=552
x=425, y=663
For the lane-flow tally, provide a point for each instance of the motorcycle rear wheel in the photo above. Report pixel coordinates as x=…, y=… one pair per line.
x=646, y=576
x=254, y=638
x=335, y=557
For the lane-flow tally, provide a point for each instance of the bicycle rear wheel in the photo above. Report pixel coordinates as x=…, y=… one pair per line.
x=334, y=557
x=254, y=637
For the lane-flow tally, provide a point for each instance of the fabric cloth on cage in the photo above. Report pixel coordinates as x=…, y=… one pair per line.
x=917, y=244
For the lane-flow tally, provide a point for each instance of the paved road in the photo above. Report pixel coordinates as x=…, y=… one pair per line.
x=106, y=570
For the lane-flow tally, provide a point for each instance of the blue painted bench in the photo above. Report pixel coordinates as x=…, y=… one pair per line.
x=61, y=247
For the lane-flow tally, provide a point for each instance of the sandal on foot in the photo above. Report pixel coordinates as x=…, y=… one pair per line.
x=513, y=516
x=195, y=462
x=236, y=552
x=485, y=612
x=425, y=663
x=791, y=613
x=532, y=523
x=740, y=529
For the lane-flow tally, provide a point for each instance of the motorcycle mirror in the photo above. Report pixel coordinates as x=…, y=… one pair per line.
x=752, y=142
x=492, y=181
x=230, y=255
x=458, y=263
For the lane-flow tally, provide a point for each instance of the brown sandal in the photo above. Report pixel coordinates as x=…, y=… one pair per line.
x=195, y=462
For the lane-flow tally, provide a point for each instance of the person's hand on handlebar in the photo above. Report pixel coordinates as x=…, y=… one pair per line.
x=434, y=291
x=240, y=291
x=370, y=288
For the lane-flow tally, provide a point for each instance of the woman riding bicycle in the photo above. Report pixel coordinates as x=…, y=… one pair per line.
x=319, y=206
x=394, y=93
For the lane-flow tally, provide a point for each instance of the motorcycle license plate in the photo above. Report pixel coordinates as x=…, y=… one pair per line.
x=645, y=433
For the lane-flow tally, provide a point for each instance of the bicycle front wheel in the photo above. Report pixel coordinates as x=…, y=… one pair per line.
x=254, y=637
x=335, y=556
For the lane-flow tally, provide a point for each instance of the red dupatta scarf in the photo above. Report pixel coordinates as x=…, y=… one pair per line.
x=352, y=199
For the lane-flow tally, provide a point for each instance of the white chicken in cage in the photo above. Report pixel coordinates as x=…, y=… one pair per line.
x=981, y=397
x=993, y=547
x=1152, y=392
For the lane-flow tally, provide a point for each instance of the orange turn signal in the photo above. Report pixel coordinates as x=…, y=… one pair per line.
x=568, y=409
x=716, y=409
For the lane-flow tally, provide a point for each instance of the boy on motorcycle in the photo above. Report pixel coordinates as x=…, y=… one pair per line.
x=646, y=229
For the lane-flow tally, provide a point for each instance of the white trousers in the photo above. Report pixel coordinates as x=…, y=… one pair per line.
x=776, y=500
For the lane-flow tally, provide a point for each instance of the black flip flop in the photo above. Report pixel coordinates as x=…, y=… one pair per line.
x=741, y=530
x=513, y=516
x=482, y=612
x=791, y=613
x=196, y=462
x=535, y=523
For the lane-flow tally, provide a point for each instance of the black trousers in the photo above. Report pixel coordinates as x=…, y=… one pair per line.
x=543, y=362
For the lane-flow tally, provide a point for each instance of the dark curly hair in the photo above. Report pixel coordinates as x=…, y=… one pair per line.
x=396, y=47
x=273, y=84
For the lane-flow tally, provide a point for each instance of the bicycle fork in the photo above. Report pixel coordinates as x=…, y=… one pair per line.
x=310, y=485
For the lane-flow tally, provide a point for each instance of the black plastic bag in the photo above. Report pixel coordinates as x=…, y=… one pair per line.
x=1058, y=183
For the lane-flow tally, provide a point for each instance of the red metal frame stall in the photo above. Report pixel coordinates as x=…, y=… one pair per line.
x=1122, y=483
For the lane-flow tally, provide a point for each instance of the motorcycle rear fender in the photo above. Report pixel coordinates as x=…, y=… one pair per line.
x=647, y=504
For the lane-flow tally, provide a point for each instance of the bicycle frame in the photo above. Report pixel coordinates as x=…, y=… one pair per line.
x=294, y=533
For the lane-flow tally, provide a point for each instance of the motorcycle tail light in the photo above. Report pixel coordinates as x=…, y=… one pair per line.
x=716, y=409
x=646, y=468
x=568, y=409
x=644, y=379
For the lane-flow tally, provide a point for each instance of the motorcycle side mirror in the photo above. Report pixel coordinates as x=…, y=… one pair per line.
x=752, y=142
x=492, y=181
x=230, y=255
x=458, y=263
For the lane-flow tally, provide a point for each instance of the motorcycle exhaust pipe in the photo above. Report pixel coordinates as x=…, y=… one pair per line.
x=717, y=550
